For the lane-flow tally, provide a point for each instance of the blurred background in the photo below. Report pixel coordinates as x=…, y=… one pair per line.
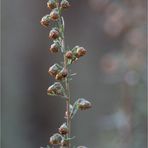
x=112, y=75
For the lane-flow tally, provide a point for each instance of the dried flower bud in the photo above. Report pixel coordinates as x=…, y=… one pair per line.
x=84, y=104
x=80, y=52
x=54, y=70
x=54, y=48
x=65, y=4
x=59, y=76
x=51, y=4
x=64, y=72
x=54, y=34
x=64, y=143
x=55, y=139
x=69, y=55
x=54, y=14
x=56, y=89
x=45, y=21
x=63, y=130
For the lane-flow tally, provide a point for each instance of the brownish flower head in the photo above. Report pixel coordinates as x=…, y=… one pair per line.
x=59, y=76
x=64, y=4
x=62, y=74
x=54, y=48
x=54, y=14
x=54, y=34
x=54, y=70
x=56, y=89
x=51, y=4
x=55, y=139
x=84, y=104
x=64, y=143
x=63, y=130
x=80, y=52
x=69, y=54
x=45, y=21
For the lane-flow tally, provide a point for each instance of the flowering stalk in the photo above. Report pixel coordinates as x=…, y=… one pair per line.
x=61, y=73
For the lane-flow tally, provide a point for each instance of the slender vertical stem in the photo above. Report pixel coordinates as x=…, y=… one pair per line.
x=68, y=96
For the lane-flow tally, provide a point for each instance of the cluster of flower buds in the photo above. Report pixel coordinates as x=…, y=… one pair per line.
x=75, y=53
x=55, y=15
x=55, y=8
x=56, y=89
x=58, y=72
x=59, y=138
x=83, y=104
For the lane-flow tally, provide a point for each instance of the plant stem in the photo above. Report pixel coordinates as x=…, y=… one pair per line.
x=67, y=88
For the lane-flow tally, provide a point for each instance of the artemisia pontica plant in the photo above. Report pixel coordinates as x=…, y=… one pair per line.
x=61, y=73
